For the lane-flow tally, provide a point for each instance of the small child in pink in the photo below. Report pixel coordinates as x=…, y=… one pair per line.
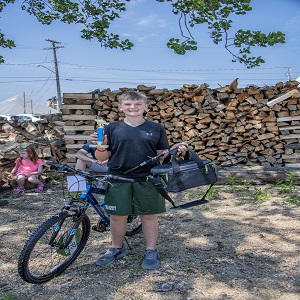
x=28, y=167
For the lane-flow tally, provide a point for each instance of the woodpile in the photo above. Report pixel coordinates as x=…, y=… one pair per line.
x=45, y=136
x=228, y=125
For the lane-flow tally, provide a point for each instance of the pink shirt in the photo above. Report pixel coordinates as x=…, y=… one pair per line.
x=28, y=166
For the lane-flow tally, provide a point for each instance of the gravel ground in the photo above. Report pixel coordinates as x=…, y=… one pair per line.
x=231, y=247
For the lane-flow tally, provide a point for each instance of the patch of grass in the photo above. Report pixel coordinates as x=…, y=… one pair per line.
x=189, y=193
x=245, y=185
x=213, y=193
x=287, y=185
x=232, y=182
x=245, y=189
x=135, y=268
x=168, y=254
x=260, y=195
x=8, y=296
x=293, y=199
x=53, y=181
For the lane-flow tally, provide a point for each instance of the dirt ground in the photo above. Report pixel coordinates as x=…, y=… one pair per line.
x=231, y=247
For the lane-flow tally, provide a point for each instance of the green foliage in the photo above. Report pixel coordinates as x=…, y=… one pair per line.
x=286, y=186
x=213, y=193
x=232, y=182
x=244, y=40
x=216, y=14
x=181, y=47
x=259, y=194
x=5, y=44
x=8, y=296
x=244, y=188
x=293, y=199
x=97, y=16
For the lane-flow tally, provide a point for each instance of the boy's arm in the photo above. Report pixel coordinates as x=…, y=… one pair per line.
x=183, y=146
x=102, y=153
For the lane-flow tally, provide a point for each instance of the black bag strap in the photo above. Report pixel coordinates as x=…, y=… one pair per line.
x=188, y=154
x=157, y=181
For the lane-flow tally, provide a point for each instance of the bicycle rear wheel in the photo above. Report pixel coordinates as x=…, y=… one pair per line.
x=44, y=255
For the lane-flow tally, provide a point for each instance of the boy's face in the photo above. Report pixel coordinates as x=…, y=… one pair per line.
x=133, y=108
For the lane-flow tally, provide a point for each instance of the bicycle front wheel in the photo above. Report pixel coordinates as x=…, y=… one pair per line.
x=46, y=254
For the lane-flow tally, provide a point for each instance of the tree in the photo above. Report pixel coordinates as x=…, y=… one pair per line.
x=97, y=16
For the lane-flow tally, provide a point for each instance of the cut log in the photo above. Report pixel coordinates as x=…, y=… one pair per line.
x=256, y=174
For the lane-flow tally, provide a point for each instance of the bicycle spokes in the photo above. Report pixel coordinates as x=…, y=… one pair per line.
x=66, y=248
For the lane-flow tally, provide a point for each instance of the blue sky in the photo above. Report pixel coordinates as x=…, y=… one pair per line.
x=85, y=66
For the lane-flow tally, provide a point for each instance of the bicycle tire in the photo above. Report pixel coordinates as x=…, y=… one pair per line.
x=134, y=225
x=40, y=261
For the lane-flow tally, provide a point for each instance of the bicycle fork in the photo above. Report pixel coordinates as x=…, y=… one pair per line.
x=70, y=234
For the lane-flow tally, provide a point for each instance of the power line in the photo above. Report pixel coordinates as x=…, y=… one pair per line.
x=153, y=70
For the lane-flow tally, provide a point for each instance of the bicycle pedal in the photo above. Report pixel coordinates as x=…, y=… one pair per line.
x=98, y=229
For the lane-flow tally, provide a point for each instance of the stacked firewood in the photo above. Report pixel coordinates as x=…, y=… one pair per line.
x=228, y=125
x=45, y=136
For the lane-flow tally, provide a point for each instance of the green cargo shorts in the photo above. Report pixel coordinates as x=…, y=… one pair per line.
x=139, y=198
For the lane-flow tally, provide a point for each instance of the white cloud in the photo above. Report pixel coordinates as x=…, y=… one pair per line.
x=146, y=37
x=152, y=21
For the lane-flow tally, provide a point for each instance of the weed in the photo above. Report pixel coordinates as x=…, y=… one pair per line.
x=232, y=182
x=213, y=193
x=168, y=254
x=245, y=187
x=293, y=200
x=260, y=195
x=53, y=181
x=286, y=186
x=189, y=193
x=8, y=296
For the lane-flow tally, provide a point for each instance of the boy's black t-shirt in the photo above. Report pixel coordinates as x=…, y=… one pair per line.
x=131, y=146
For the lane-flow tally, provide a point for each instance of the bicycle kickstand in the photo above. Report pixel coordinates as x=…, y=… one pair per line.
x=126, y=240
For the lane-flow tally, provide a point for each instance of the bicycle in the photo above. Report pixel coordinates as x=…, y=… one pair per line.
x=58, y=241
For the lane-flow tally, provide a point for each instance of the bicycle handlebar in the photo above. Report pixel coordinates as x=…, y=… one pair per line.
x=118, y=178
x=65, y=168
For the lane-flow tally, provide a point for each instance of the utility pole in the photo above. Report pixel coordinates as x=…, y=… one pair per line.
x=24, y=103
x=31, y=107
x=290, y=73
x=54, y=47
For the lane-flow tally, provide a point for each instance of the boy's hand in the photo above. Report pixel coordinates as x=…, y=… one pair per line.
x=94, y=137
x=104, y=140
x=183, y=146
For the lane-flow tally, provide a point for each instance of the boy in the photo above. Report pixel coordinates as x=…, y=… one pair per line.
x=131, y=141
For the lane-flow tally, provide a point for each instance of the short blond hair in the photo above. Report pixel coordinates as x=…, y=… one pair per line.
x=132, y=95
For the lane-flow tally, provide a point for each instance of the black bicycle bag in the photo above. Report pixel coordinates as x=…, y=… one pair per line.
x=180, y=175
